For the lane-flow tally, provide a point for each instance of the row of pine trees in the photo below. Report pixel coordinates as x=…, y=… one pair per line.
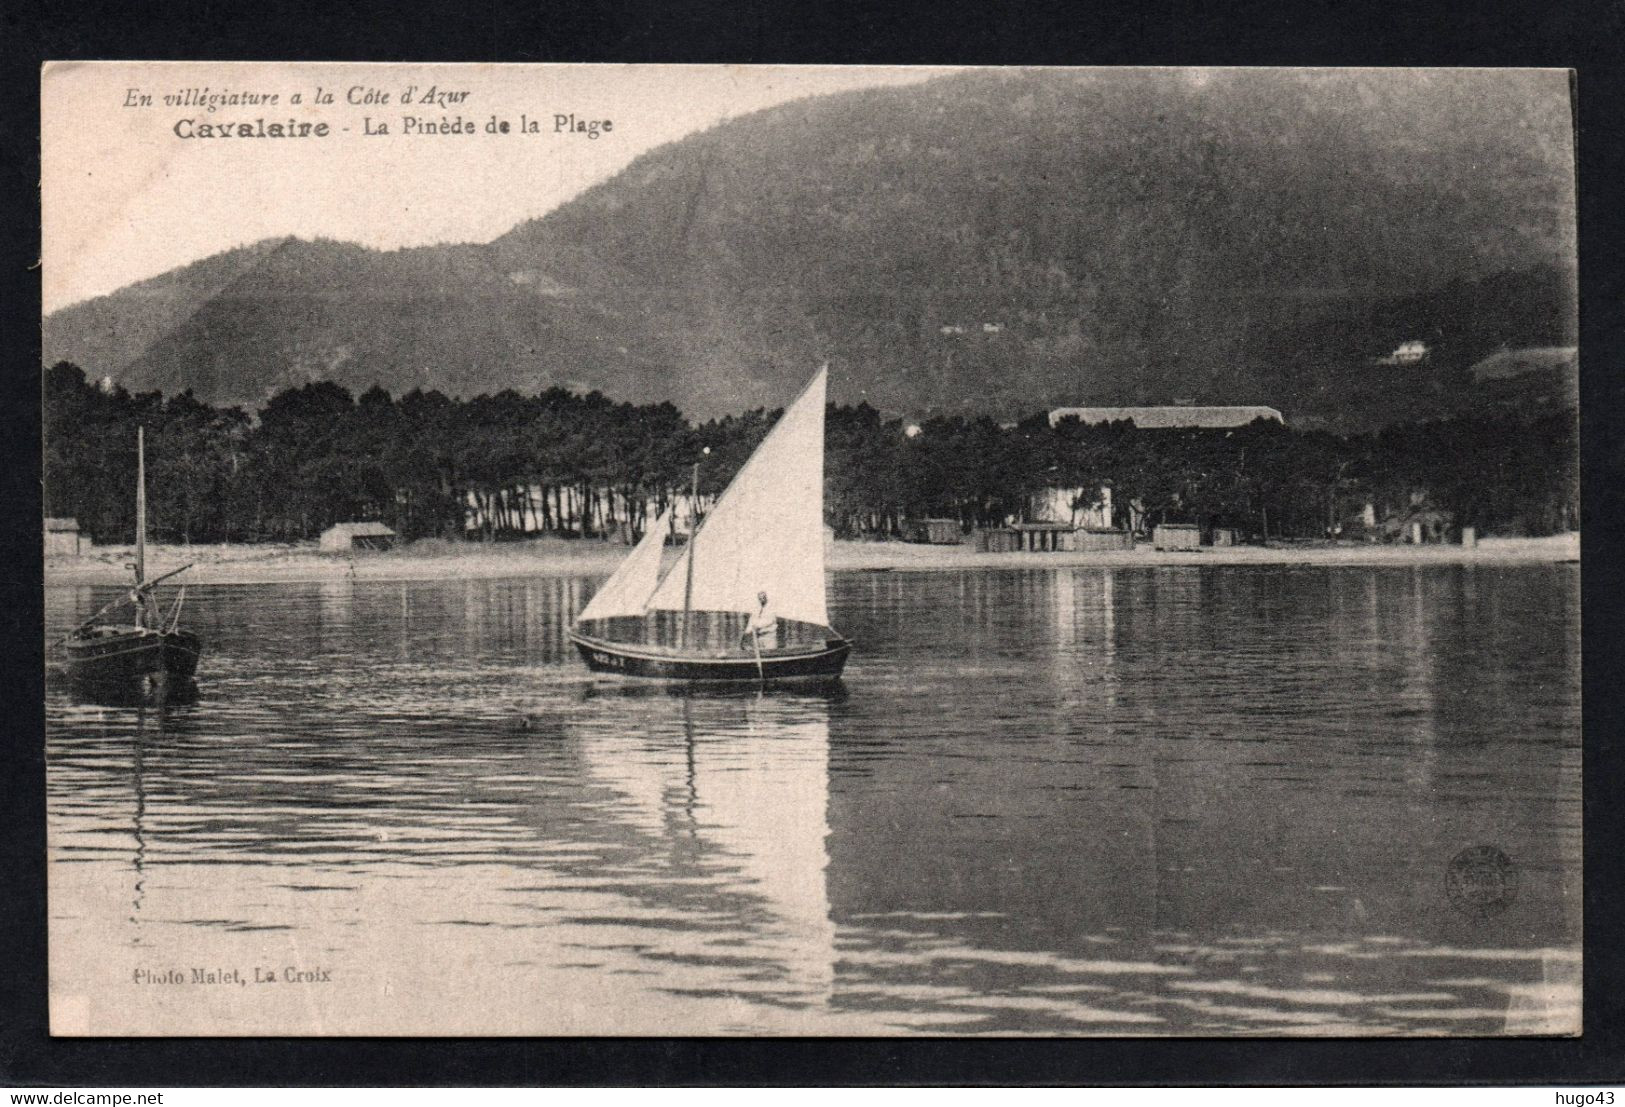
x=586, y=466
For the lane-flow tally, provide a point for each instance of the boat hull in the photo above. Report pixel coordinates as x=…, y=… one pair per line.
x=820, y=663
x=132, y=661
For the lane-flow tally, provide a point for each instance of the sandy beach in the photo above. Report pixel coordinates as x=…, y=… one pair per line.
x=435, y=560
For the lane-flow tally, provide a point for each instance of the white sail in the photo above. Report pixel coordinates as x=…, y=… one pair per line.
x=766, y=534
x=629, y=586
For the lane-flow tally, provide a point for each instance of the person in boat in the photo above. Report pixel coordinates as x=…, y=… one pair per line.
x=762, y=632
x=146, y=609
x=147, y=612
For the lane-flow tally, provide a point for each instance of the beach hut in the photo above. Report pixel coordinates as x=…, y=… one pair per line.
x=344, y=537
x=62, y=538
x=937, y=532
x=1094, y=541
x=998, y=540
x=1044, y=537
x=1176, y=536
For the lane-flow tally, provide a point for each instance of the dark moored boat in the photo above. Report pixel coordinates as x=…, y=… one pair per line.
x=150, y=656
x=132, y=657
x=706, y=618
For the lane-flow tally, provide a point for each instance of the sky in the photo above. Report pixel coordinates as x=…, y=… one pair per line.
x=125, y=197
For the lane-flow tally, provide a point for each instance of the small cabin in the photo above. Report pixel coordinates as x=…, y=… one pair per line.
x=1044, y=537
x=62, y=538
x=1176, y=536
x=998, y=540
x=937, y=532
x=1096, y=541
x=344, y=537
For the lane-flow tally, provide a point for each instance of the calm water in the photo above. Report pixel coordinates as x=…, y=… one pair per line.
x=1150, y=801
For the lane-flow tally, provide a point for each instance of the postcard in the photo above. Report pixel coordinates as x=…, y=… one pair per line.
x=794, y=550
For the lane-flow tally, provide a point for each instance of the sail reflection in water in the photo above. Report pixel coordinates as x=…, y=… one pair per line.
x=1050, y=801
x=735, y=815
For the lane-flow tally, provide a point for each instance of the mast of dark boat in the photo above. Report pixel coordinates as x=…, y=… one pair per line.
x=140, y=524
x=143, y=586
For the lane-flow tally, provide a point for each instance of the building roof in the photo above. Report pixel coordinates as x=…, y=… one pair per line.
x=1169, y=417
x=69, y=526
x=360, y=530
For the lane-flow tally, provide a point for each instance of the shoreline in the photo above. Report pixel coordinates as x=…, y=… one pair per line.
x=556, y=557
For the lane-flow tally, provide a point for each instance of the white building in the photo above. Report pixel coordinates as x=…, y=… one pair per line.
x=1406, y=353
x=1170, y=416
x=1094, y=510
x=1071, y=505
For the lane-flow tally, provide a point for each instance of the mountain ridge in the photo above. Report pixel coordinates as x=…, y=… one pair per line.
x=990, y=242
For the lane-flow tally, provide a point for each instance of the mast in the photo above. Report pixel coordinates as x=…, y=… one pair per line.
x=693, y=531
x=140, y=506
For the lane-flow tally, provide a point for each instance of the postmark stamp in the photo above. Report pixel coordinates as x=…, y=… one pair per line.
x=1481, y=881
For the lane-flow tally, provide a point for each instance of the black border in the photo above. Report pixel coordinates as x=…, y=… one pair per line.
x=1583, y=35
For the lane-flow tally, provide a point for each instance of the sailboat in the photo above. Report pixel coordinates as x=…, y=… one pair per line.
x=150, y=655
x=702, y=618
